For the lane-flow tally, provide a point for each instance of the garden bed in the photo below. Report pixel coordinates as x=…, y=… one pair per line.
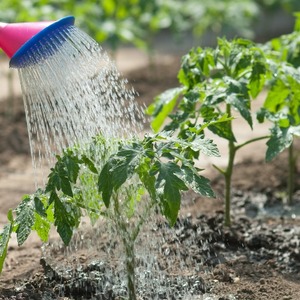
x=257, y=258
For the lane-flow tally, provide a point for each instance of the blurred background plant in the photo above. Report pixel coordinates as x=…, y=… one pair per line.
x=118, y=22
x=140, y=23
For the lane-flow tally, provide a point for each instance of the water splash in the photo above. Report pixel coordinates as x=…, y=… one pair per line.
x=72, y=94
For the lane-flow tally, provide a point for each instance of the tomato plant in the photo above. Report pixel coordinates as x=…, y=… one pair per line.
x=214, y=82
x=282, y=105
x=108, y=180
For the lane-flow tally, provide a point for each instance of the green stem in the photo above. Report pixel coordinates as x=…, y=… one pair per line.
x=228, y=177
x=228, y=172
x=291, y=174
x=221, y=171
x=142, y=219
x=251, y=141
x=128, y=243
x=130, y=268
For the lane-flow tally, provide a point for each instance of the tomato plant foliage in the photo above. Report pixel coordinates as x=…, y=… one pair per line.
x=282, y=104
x=213, y=84
x=95, y=179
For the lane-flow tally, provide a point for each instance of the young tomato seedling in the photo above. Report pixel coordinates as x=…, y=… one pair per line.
x=108, y=179
x=214, y=82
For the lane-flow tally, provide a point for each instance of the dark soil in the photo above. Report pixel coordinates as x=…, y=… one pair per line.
x=257, y=258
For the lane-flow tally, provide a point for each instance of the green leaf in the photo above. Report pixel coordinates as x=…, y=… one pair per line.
x=257, y=78
x=63, y=174
x=54, y=181
x=237, y=96
x=147, y=179
x=242, y=105
x=118, y=169
x=70, y=164
x=24, y=219
x=197, y=183
x=206, y=146
x=39, y=207
x=42, y=227
x=276, y=96
x=169, y=186
x=89, y=164
x=4, y=239
x=66, y=185
x=124, y=163
x=163, y=105
x=223, y=131
x=105, y=185
x=219, y=128
x=67, y=216
x=281, y=138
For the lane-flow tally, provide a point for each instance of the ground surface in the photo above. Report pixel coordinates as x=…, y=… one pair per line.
x=258, y=258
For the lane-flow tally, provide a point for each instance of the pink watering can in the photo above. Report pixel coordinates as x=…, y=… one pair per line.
x=18, y=39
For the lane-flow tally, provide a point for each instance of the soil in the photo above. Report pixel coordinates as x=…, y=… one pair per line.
x=256, y=258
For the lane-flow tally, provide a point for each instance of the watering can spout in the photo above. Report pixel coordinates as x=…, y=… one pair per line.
x=14, y=36
x=17, y=38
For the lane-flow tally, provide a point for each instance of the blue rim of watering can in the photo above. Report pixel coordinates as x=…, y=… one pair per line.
x=66, y=21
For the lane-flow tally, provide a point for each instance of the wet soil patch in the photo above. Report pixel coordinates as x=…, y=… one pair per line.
x=257, y=258
x=256, y=248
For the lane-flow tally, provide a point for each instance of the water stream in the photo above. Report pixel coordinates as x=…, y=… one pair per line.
x=72, y=93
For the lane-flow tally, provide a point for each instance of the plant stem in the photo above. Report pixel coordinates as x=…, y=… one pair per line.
x=291, y=174
x=228, y=172
x=228, y=176
x=251, y=141
x=128, y=243
x=130, y=268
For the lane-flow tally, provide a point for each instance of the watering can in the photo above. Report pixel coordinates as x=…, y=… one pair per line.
x=17, y=39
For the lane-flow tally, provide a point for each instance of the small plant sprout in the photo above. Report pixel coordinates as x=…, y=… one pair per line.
x=122, y=181
x=214, y=82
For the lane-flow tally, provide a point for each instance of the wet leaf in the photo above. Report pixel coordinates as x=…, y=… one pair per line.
x=4, y=239
x=24, y=219
x=169, y=185
x=163, y=105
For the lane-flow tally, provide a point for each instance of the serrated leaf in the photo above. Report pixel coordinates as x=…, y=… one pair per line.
x=242, y=105
x=54, y=181
x=124, y=163
x=147, y=179
x=24, y=219
x=223, y=131
x=257, y=78
x=169, y=186
x=222, y=118
x=89, y=164
x=39, y=207
x=62, y=221
x=281, y=138
x=42, y=227
x=197, y=183
x=71, y=166
x=66, y=186
x=163, y=106
x=4, y=239
x=205, y=146
x=118, y=169
x=105, y=185
x=276, y=97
